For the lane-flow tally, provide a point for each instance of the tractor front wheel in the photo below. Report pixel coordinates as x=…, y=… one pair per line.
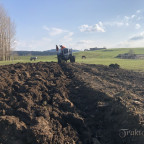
x=59, y=60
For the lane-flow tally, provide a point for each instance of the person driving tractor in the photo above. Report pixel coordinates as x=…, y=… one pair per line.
x=62, y=47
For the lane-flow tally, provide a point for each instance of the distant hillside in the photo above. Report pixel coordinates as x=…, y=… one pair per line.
x=38, y=53
x=108, y=53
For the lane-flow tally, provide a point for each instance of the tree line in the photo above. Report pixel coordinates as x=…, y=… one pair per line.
x=7, y=35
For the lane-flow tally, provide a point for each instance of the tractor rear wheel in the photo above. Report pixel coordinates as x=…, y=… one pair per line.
x=72, y=59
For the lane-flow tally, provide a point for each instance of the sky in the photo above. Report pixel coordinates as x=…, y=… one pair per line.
x=77, y=24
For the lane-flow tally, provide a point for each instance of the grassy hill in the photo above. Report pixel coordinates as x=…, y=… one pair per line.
x=104, y=57
x=109, y=53
x=107, y=57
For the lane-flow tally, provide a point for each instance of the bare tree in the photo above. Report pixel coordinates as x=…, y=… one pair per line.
x=7, y=35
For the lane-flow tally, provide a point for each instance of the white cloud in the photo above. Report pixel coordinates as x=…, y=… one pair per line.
x=46, y=43
x=130, y=20
x=69, y=35
x=133, y=16
x=67, y=39
x=136, y=40
x=130, y=44
x=46, y=28
x=114, y=23
x=54, y=31
x=34, y=45
x=138, y=11
x=137, y=37
x=127, y=18
x=137, y=26
x=140, y=18
x=136, y=16
x=94, y=28
x=20, y=43
x=84, y=42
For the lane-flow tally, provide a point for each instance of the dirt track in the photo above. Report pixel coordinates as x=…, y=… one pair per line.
x=43, y=103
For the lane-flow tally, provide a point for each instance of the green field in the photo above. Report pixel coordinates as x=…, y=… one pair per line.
x=107, y=57
x=104, y=57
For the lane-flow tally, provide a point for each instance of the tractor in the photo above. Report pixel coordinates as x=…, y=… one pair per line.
x=64, y=54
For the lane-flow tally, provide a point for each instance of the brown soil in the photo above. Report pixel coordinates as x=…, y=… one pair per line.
x=42, y=103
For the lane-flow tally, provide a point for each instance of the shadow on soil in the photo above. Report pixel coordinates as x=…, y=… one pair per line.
x=106, y=120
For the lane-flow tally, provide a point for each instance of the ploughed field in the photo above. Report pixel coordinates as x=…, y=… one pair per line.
x=48, y=103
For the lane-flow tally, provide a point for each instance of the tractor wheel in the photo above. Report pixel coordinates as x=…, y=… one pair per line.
x=72, y=59
x=59, y=60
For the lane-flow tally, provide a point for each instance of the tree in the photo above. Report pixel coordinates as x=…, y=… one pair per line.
x=131, y=52
x=7, y=35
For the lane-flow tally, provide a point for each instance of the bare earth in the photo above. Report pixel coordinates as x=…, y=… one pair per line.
x=47, y=103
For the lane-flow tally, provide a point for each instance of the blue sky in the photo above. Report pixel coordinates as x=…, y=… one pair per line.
x=79, y=24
